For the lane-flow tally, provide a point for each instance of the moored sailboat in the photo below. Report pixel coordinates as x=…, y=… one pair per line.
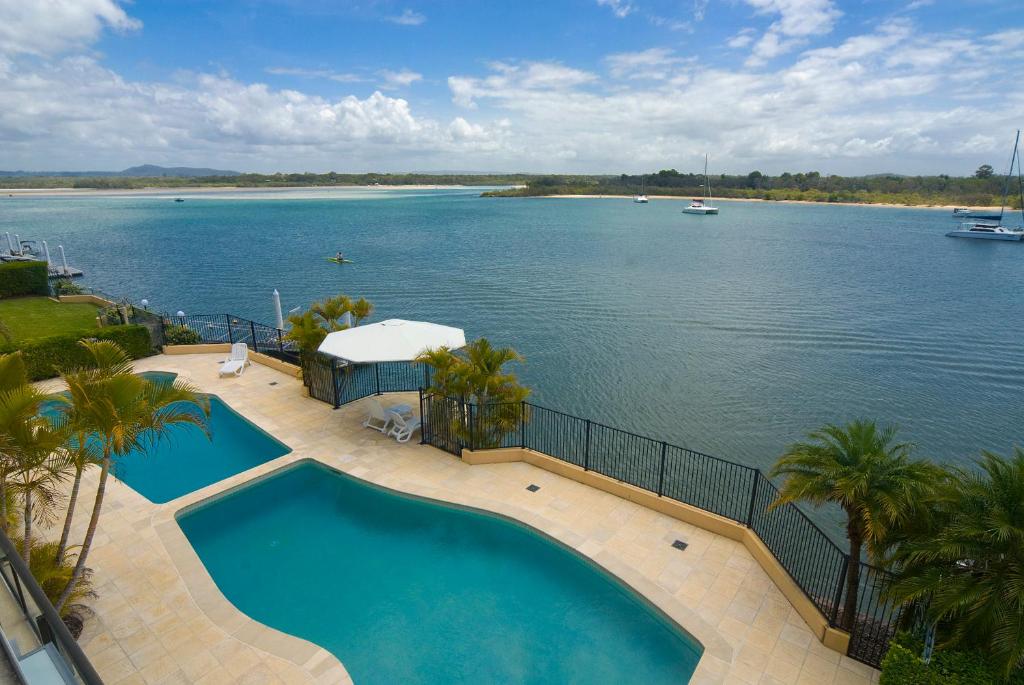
x=702, y=205
x=987, y=230
x=642, y=197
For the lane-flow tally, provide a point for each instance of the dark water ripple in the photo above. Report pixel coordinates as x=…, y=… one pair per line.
x=731, y=334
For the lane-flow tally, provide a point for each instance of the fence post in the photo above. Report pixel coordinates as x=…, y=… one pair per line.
x=586, y=449
x=753, y=498
x=424, y=421
x=472, y=429
x=231, y=335
x=834, y=615
x=280, y=345
x=376, y=374
x=522, y=424
x=661, y=470
x=334, y=383
x=252, y=332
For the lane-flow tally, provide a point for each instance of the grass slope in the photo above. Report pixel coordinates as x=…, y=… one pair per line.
x=37, y=317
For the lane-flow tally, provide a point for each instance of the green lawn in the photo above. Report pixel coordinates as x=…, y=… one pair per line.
x=38, y=317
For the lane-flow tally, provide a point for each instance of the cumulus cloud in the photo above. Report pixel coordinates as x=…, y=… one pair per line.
x=407, y=18
x=878, y=100
x=741, y=39
x=48, y=27
x=796, y=21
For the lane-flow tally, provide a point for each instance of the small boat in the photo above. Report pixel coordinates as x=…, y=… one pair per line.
x=641, y=199
x=987, y=230
x=179, y=199
x=702, y=205
x=968, y=213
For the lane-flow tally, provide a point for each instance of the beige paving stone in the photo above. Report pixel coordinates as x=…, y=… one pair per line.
x=161, y=619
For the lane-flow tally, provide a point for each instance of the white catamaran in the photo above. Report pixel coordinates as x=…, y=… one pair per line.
x=642, y=197
x=702, y=205
x=989, y=230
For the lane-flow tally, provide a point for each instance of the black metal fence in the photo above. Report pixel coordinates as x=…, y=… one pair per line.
x=734, y=491
x=228, y=328
x=49, y=632
x=336, y=382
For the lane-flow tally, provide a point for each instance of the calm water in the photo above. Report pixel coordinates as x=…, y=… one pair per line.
x=406, y=591
x=731, y=334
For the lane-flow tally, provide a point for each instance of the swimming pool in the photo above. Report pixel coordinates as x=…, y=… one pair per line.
x=406, y=590
x=186, y=460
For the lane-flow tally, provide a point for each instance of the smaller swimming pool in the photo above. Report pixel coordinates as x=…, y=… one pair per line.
x=186, y=460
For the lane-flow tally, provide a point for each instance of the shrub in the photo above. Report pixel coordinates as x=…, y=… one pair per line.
x=45, y=355
x=23, y=278
x=902, y=666
x=65, y=286
x=181, y=335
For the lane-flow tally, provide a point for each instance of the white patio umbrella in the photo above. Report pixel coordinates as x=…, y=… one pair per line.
x=394, y=340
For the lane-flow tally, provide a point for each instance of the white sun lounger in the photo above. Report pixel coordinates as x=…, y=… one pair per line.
x=236, y=361
x=379, y=417
x=402, y=427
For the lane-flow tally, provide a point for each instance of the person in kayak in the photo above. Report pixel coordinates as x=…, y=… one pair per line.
x=339, y=257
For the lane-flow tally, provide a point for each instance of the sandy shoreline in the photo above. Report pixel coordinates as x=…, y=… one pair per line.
x=184, y=191
x=757, y=199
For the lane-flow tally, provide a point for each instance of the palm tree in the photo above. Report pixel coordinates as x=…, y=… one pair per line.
x=12, y=377
x=969, y=569
x=361, y=309
x=83, y=453
x=332, y=310
x=126, y=413
x=862, y=469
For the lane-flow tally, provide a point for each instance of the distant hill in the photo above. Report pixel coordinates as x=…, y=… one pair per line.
x=177, y=171
x=145, y=170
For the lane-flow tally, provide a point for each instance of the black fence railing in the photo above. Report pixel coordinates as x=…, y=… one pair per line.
x=734, y=491
x=336, y=382
x=228, y=328
x=51, y=640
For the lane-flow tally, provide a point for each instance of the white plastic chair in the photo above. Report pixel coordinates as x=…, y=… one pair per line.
x=236, y=361
x=379, y=417
x=402, y=427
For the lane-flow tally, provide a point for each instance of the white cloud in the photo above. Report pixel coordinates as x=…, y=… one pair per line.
x=620, y=8
x=741, y=39
x=655, y=63
x=48, y=27
x=700, y=8
x=397, y=79
x=340, y=77
x=407, y=18
x=796, y=21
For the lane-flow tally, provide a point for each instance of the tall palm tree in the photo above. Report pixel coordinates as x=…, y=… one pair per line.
x=361, y=309
x=485, y=371
x=35, y=462
x=83, y=452
x=969, y=570
x=871, y=476
x=126, y=413
x=332, y=310
x=12, y=377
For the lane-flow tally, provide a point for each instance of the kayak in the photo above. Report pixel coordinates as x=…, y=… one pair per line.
x=340, y=261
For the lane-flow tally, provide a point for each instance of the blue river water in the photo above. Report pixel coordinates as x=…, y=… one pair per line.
x=732, y=335
x=407, y=591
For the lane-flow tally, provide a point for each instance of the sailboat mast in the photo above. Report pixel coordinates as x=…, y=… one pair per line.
x=707, y=181
x=1009, y=174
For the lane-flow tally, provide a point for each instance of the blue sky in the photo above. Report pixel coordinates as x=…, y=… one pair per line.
x=911, y=86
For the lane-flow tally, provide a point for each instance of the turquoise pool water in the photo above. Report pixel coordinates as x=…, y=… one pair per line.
x=404, y=590
x=186, y=460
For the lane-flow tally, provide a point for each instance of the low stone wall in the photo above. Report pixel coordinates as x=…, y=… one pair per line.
x=86, y=299
x=832, y=638
x=224, y=348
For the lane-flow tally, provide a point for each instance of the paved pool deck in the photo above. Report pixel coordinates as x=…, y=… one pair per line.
x=160, y=619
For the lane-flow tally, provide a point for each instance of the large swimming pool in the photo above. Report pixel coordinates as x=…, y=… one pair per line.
x=404, y=590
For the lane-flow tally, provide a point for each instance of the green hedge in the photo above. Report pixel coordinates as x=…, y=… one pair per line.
x=902, y=666
x=45, y=355
x=23, y=278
